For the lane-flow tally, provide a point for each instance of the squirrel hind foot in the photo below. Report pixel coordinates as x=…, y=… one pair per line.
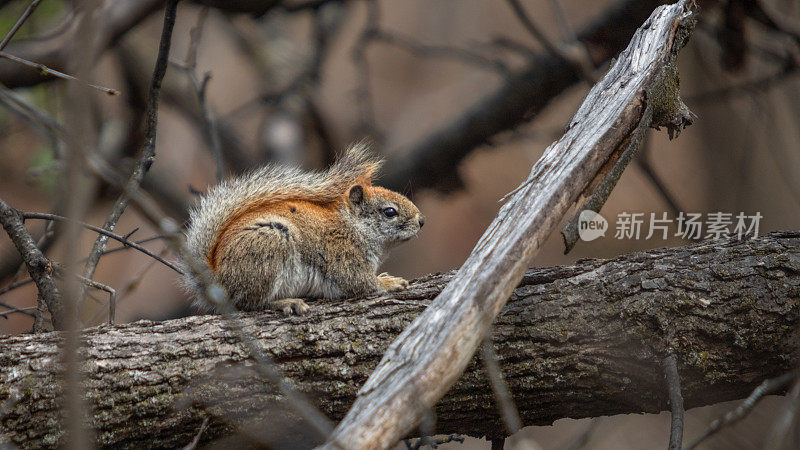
x=290, y=306
x=391, y=283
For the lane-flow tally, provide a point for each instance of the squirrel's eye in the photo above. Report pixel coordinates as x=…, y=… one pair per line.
x=389, y=212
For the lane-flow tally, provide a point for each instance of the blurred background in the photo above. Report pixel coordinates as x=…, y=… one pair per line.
x=460, y=96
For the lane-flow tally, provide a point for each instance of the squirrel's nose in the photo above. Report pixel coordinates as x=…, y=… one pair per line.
x=421, y=220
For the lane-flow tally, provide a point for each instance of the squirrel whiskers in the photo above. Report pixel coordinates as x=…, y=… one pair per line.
x=281, y=234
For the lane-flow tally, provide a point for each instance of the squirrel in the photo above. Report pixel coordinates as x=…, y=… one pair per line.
x=280, y=234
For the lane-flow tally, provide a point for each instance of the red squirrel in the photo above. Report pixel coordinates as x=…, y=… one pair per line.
x=280, y=234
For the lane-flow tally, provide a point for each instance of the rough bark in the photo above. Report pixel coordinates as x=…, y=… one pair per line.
x=574, y=341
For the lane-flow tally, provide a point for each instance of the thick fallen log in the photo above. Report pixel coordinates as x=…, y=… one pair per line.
x=574, y=341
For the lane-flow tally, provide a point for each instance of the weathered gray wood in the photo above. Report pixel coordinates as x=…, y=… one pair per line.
x=575, y=341
x=430, y=355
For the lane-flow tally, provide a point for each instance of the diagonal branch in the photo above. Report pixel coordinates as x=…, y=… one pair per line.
x=428, y=357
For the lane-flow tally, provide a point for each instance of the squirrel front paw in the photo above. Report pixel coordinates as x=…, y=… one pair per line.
x=290, y=306
x=391, y=283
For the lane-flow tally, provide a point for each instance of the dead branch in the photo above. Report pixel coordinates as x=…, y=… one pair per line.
x=430, y=355
x=727, y=310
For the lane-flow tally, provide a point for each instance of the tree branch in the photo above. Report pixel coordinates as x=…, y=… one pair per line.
x=430, y=355
x=38, y=265
x=727, y=310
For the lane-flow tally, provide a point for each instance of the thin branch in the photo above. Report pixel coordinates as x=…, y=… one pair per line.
x=643, y=161
x=209, y=119
x=505, y=401
x=675, y=402
x=52, y=72
x=128, y=288
x=759, y=85
x=193, y=445
x=6, y=305
x=567, y=32
x=28, y=11
x=363, y=93
x=57, y=50
x=116, y=237
x=112, y=294
x=39, y=266
x=740, y=412
x=787, y=416
x=439, y=51
x=583, y=65
x=14, y=284
x=27, y=311
x=147, y=155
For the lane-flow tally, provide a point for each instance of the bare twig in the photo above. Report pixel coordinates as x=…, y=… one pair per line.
x=129, y=287
x=112, y=294
x=567, y=32
x=740, y=412
x=193, y=445
x=13, y=284
x=52, y=72
x=27, y=313
x=505, y=402
x=675, y=402
x=785, y=419
x=28, y=11
x=582, y=65
x=439, y=51
x=147, y=155
x=42, y=121
x=6, y=313
x=649, y=171
x=759, y=85
x=189, y=68
x=41, y=307
x=116, y=237
x=39, y=266
x=363, y=92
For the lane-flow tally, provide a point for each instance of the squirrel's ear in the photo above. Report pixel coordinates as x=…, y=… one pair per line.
x=356, y=194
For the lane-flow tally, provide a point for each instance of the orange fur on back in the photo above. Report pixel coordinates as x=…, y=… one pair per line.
x=321, y=212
